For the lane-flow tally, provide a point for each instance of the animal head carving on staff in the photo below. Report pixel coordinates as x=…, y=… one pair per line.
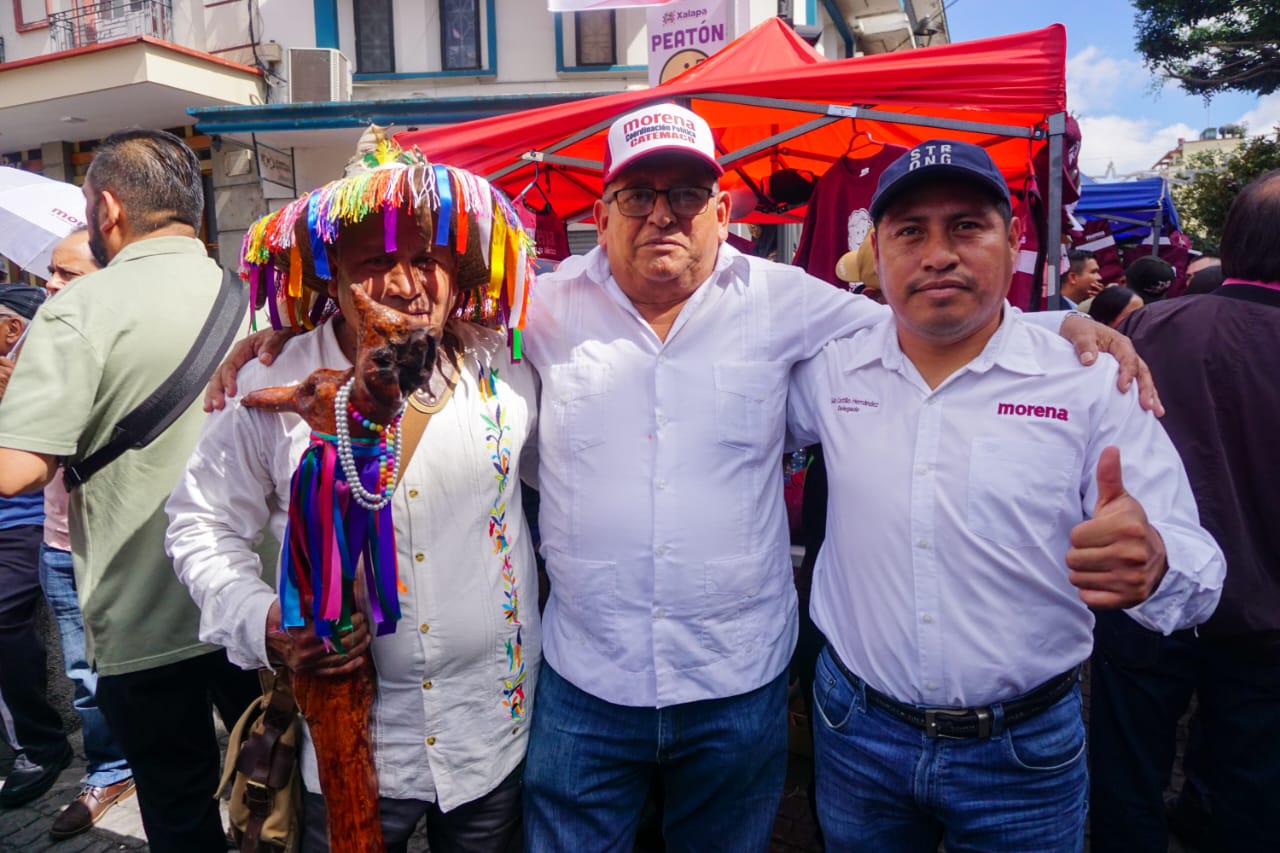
x=394, y=356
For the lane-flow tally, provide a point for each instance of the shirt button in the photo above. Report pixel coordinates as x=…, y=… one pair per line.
x=662, y=359
x=661, y=484
x=426, y=685
x=931, y=685
x=516, y=730
x=659, y=613
x=662, y=420
x=923, y=543
x=927, y=618
x=413, y=493
x=431, y=741
x=922, y=470
x=660, y=551
x=419, y=556
x=424, y=627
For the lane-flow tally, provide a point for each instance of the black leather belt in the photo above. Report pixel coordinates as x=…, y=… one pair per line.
x=962, y=723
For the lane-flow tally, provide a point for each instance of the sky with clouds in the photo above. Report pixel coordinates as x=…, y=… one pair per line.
x=1128, y=117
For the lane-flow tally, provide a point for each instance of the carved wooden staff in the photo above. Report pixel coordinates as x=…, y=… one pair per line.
x=394, y=356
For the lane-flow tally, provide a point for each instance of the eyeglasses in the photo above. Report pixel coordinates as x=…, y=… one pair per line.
x=683, y=201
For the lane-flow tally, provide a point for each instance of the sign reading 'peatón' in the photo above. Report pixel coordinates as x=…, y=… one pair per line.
x=683, y=34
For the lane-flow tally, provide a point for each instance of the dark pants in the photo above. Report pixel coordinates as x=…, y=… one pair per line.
x=162, y=719
x=23, y=678
x=488, y=824
x=1142, y=684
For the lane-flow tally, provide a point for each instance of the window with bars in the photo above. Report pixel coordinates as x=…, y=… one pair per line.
x=595, y=37
x=459, y=35
x=375, y=40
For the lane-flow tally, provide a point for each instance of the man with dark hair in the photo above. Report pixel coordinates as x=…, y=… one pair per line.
x=983, y=466
x=1150, y=277
x=92, y=356
x=1083, y=279
x=1216, y=361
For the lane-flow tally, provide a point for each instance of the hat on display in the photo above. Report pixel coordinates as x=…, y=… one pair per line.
x=934, y=160
x=21, y=300
x=859, y=266
x=285, y=254
x=658, y=129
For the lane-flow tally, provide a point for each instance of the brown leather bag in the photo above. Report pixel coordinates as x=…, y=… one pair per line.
x=261, y=770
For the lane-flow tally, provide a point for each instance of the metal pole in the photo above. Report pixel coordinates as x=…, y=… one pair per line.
x=1157, y=226
x=1053, y=235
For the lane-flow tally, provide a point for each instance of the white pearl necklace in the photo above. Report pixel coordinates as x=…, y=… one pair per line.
x=346, y=457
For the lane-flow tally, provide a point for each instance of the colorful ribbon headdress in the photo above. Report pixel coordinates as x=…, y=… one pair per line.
x=284, y=255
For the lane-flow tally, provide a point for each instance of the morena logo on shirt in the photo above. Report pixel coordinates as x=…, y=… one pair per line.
x=1031, y=411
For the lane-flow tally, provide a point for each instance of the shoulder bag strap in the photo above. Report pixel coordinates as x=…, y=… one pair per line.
x=412, y=425
x=158, y=412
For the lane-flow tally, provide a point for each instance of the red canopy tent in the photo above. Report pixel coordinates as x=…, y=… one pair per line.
x=773, y=103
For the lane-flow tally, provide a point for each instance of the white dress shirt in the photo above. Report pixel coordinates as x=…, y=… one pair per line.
x=942, y=580
x=468, y=640
x=661, y=514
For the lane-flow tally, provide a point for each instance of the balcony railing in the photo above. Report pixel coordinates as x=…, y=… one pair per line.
x=109, y=20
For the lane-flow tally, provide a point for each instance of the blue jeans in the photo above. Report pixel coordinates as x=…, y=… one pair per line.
x=107, y=765
x=722, y=763
x=883, y=785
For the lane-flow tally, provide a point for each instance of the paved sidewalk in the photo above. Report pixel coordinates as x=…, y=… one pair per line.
x=26, y=829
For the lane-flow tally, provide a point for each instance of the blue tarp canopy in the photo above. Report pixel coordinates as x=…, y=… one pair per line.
x=1132, y=207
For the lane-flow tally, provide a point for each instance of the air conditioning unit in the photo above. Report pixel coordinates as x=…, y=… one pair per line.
x=316, y=74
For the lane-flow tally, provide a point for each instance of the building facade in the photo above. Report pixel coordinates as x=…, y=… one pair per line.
x=274, y=93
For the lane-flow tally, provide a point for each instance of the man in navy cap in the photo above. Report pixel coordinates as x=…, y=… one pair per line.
x=18, y=305
x=36, y=735
x=948, y=705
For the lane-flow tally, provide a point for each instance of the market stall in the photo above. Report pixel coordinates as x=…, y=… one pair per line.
x=775, y=105
x=1124, y=220
x=1134, y=208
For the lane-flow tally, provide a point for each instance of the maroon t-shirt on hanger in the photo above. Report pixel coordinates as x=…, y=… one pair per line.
x=838, y=218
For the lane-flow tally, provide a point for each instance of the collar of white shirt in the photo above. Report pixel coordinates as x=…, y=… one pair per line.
x=1011, y=348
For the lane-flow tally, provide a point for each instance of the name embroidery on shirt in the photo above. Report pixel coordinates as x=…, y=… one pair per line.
x=499, y=443
x=1031, y=411
x=853, y=404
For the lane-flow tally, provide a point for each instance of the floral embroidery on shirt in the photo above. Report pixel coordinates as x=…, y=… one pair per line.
x=499, y=443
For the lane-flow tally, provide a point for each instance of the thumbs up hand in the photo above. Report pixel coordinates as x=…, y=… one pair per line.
x=1116, y=558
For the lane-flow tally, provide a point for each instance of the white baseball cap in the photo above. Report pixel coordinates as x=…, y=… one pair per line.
x=655, y=129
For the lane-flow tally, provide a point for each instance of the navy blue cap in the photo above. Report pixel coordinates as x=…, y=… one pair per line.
x=20, y=299
x=934, y=160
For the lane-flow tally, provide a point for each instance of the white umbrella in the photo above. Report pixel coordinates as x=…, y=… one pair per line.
x=35, y=213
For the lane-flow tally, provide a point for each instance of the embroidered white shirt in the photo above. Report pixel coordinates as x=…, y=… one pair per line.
x=942, y=580
x=468, y=642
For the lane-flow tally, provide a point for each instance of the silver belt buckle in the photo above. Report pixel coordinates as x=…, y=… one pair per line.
x=931, y=716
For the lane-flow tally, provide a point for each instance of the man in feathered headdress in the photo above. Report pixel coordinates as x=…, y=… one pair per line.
x=455, y=681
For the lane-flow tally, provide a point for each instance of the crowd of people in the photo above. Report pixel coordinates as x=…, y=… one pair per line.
x=1002, y=503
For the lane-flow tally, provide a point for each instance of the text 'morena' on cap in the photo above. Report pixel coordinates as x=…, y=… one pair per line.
x=655, y=129
x=934, y=160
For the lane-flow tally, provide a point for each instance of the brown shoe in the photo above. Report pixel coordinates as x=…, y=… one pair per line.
x=89, y=805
